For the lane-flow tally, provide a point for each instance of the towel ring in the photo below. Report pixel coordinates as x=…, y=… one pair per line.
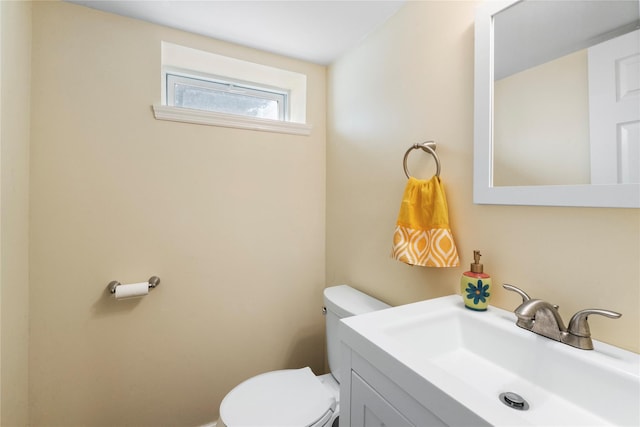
x=429, y=147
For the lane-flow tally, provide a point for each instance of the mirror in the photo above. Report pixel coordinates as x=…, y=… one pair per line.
x=548, y=128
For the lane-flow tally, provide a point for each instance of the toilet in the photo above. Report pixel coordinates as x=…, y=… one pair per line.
x=297, y=397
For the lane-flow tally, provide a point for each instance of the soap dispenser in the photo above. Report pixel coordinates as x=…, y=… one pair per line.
x=475, y=286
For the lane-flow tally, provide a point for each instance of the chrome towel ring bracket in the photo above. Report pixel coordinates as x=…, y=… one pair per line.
x=429, y=147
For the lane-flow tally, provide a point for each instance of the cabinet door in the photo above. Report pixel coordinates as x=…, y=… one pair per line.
x=369, y=409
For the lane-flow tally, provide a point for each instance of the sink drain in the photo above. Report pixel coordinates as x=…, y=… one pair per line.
x=514, y=400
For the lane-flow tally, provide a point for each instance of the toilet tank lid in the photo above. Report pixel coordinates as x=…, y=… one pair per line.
x=346, y=301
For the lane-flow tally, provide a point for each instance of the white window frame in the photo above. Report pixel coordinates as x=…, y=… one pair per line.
x=197, y=63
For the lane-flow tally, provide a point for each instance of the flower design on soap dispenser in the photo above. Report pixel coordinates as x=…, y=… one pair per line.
x=478, y=293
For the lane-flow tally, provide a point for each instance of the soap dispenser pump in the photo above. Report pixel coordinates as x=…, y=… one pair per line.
x=475, y=285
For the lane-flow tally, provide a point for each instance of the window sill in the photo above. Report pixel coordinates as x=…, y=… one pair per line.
x=186, y=115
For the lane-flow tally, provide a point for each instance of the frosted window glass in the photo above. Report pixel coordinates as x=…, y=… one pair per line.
x=225, y=97
x=224, y=102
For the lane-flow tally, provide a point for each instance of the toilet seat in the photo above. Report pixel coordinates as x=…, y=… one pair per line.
x=291, y=397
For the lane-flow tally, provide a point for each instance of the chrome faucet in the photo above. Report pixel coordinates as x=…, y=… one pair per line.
x=544, y=319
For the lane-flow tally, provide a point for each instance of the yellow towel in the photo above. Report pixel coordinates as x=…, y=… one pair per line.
x=422, y=235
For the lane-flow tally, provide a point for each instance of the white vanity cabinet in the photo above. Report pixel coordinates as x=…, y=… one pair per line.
x=370, y=409
x=376, y=390
x=371, y=399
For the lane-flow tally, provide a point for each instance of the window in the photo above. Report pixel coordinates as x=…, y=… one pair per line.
x=205, y=88
x=226, y=96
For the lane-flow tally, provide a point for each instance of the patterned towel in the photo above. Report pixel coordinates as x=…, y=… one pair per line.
x=422, y=235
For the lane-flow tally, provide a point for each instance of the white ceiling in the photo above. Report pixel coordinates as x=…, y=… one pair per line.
x=533, y=32
x=314, y=31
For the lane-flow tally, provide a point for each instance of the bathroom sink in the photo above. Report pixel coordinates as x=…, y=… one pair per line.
x=474, y=357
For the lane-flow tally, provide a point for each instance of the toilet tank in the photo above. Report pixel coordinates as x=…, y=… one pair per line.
x=344, y=301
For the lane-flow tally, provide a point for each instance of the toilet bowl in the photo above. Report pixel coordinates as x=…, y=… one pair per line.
x=297, y=397
x=292, y=397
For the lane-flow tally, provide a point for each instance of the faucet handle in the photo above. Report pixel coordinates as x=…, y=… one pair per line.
x=517, y=290
x=578, y=324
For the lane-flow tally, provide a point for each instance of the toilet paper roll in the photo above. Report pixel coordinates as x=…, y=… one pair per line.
x=132, y=290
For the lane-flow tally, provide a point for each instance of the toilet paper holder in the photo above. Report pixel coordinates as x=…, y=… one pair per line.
x=153, y=282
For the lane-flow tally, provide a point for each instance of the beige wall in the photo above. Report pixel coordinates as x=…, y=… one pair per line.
x=15, y=73
x=541, y=124
x=232, y=221
x=411, y=81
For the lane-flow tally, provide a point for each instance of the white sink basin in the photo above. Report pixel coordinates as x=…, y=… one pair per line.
x=473, y=357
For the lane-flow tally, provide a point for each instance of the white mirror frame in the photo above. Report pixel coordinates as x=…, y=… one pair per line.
x=614, y=195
